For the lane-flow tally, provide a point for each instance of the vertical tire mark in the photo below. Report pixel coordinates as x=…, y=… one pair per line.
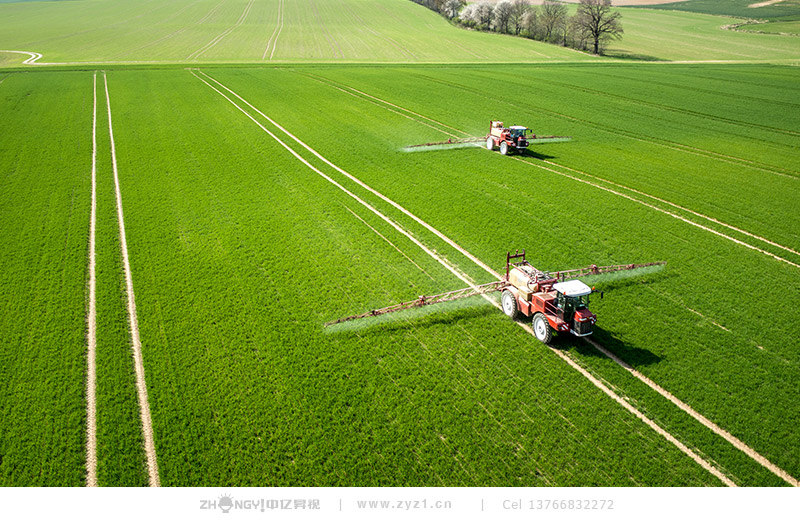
x=141, y=385
x=91, y=318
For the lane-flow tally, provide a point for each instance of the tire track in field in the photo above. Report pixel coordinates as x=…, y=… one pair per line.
x=91, y=317
x=136, y=344
x=210, y=13
x=210, y=45
x=677, y=86
x=461, y=133
x=389, y=242
x=167, y=36
x=275, y=34
x=656, y=141
x=763, y=461
x=34, y=56
x=669, y=108
x=375, y=33
x=453, y=269
x=331, y=40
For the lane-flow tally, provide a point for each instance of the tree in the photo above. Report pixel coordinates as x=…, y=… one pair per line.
x=530, y=22
x=450, y=8
x=552, y=17
x=483, y=14
x=518, y=10
x=502, y=15
x=468, y=15
x=596, y=18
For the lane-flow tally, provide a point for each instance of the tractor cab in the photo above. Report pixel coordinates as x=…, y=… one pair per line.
x=572, y=302
x=519, y=134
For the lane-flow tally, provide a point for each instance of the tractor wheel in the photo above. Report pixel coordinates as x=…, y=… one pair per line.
x=489, y=143
x=541, y=328
x=504, y=148
x=510, y=306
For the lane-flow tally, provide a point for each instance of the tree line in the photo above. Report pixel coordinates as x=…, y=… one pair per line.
x=592, y=26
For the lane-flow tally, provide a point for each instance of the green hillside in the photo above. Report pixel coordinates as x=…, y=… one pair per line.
x=739, y=8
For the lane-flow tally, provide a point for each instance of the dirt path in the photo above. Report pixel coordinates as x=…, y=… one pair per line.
x=450, y=267
x=275, y=34
x=764, y=4
x=91, y=318
x=141, y=385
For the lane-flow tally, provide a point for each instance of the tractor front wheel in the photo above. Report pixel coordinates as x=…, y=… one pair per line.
x=504, y=148
x=541, y=328
x=510, y=306
x=489, y=143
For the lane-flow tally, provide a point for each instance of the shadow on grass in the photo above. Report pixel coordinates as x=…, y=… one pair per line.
x=634, y=356
x=632, y=56
x=536, y=155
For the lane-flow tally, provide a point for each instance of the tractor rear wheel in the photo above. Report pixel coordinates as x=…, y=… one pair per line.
x=541, y=329
x=489, y=143
x=504, y=148
x=510, y=306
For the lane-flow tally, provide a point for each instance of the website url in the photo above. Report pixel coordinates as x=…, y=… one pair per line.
x=404, y=505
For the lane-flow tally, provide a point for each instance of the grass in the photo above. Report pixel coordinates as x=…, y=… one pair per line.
x=337, y=30
x=205, y=31
x=44, y=222
x=679, y=35
x=738, y=8
x=782, y=26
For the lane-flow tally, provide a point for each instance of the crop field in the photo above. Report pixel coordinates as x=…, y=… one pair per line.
x=263, y=31
x=173, y=238
x=243, y=242
x=738, y=8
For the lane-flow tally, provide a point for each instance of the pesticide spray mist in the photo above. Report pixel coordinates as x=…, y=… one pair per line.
x=445, y=146
x=621, y=275
x=402, y=317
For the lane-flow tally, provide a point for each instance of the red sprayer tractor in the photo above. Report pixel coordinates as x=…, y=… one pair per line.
x=554, y=302
x=511, y=139
x=507, y=139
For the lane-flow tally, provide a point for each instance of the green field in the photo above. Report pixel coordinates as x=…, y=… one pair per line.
x=738, y=8
x=261, y=201
x=783, y=26
x=671, y=35
x=260, y=31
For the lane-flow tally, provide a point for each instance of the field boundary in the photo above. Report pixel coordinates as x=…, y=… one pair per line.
x=91, y=318
x=141, y=385
x=466, y=279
